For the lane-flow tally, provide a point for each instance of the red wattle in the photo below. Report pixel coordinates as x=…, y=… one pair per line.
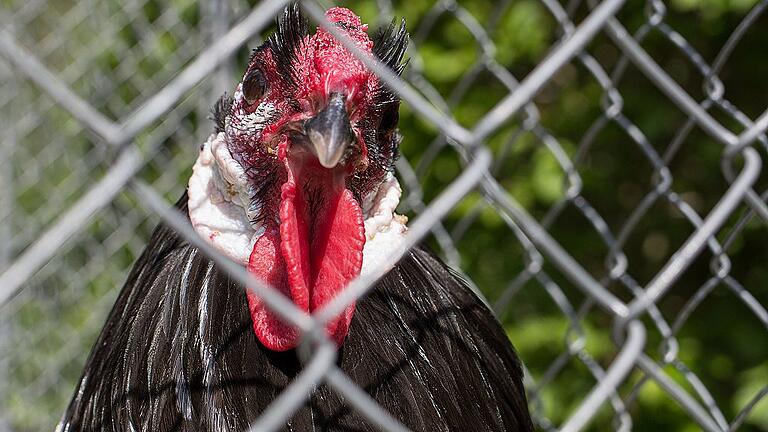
x=320, y=237
x=267, y=263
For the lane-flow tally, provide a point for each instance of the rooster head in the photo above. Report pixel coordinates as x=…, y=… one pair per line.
x=296, y=183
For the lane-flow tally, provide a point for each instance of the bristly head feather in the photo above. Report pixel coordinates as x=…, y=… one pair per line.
x=389, y=46
x=292, y=27
x=220, y=111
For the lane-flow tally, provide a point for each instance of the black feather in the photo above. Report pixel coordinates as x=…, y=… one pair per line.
x=292, y=27
x=220, y=111
x=381, y=135
x=178, y=353
x=389, y=45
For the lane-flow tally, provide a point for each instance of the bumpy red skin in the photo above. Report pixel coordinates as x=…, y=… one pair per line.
x=322, y=66
x=314, y=233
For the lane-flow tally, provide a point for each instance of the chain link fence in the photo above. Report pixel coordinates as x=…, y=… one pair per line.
x=104, y=103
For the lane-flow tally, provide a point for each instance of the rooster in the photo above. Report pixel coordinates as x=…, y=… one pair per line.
x=296, y=185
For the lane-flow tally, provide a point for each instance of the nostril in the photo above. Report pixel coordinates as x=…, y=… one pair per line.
x=337, y=100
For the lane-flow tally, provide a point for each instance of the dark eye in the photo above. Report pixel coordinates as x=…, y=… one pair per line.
x=254, y=86
x=389, y=119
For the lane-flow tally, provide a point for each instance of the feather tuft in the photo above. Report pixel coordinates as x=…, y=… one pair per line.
x=389, y=46
x=220, y=111
x=292, y=27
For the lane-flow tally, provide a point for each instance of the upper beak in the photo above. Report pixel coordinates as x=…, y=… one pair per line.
x=329, y=132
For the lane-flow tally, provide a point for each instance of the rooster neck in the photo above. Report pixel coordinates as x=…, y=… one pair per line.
x=177, y=353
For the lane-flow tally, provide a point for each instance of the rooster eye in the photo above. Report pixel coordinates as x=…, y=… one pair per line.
x=254, y=86
x=389, y=120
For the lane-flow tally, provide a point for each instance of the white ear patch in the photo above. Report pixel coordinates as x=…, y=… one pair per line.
x=384, y=229
x=218, y=200
x=221, y=212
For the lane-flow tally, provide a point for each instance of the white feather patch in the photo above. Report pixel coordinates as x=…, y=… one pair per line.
x=217, y=203
x=384, y=229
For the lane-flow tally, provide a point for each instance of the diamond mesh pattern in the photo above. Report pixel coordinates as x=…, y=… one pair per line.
x=103, y=103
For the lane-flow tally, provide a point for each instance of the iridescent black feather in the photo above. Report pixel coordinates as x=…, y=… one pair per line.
x=178, y=353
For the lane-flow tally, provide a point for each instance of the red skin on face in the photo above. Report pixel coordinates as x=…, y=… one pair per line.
x=313, y=243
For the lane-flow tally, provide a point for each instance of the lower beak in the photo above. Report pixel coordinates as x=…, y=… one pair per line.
x=329, y=132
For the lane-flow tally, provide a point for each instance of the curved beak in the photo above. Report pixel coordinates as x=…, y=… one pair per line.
x=329, y=132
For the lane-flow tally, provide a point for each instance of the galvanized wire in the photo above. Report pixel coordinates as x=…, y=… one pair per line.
x=74, y=241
